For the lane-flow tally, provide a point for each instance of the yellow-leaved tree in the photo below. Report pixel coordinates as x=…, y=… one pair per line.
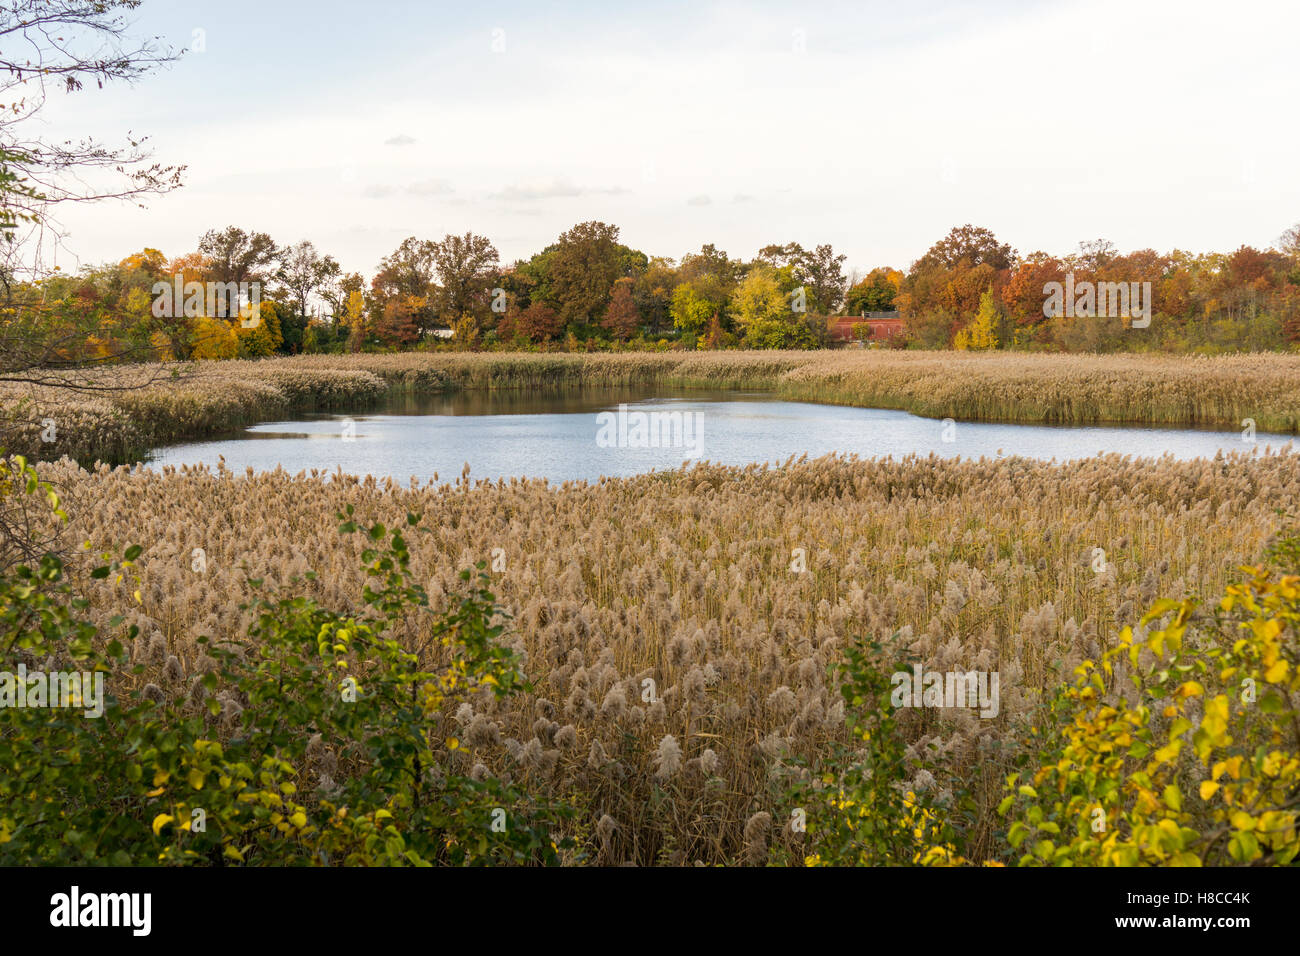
x=214, y=339
x=259, y=330
x=982, y=333
x=354, y=319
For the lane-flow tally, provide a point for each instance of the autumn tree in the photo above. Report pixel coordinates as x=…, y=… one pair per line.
x=875, y=293
x=711, y=268
x=587, y=261
x=705, y=283
x=622, y=318
x=406, y=275
x=354, y=319
x=234, y=255
x=467, y=268
x=397, y=322
x=539, y=322
x=335, y=291
x=653, y=292
x=760, y=307
x=1289, y=243
x=691, y=309
x=259, y=333
x=529, y=280
x=973, y=244
x=1023, y=295
x=1092, y=256
x=981, y=334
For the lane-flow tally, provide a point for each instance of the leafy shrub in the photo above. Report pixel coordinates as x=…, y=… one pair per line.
x=1200, y=763
x=862, y=810
x=224, y=774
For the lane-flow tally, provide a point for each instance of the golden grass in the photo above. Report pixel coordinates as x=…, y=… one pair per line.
x=684, y=578
x=120, y=427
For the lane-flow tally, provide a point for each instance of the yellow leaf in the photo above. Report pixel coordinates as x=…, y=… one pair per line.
x=1174, y=799
x=1208, y=789
x=161, y=821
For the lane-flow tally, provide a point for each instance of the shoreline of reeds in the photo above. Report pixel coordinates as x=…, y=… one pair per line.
x=215, y=399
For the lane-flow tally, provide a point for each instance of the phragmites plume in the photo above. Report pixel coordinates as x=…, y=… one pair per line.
x=172, y=670
x=668, y=758
x=757, y=828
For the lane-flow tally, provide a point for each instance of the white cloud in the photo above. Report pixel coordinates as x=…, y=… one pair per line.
x=426, y=187
x=559, y=188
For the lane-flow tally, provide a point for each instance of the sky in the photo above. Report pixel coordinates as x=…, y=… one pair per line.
x=875, y=127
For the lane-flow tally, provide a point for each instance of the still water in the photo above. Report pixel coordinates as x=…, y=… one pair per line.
x=583, y=435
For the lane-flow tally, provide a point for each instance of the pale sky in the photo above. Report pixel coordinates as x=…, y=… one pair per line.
x=875, y=127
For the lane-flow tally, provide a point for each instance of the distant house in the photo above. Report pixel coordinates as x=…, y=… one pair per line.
x=443, y=334
x=884, y=326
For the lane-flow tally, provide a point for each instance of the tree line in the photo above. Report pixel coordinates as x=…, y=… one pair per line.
x=971, y=291
x=588, y=290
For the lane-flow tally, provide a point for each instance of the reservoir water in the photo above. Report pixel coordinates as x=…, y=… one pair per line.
x=609, y=432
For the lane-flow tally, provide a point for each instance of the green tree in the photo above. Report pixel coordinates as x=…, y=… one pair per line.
x=760, y=307
x=587, y=261
x=690, y=310
x=467, y=273
x=875, y=293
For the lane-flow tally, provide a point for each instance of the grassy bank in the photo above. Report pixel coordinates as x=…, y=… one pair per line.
x=687, y=579
x=213, y=398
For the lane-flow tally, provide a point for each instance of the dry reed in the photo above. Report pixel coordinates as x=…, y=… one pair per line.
x=677, y=658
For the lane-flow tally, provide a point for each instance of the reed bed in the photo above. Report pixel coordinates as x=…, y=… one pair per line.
x=212, y=398
x=689, y=579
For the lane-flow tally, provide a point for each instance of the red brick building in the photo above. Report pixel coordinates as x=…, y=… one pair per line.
x=884, y=326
